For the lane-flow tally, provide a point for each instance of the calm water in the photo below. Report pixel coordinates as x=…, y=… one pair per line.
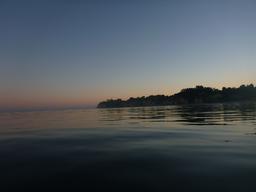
x=174, y=148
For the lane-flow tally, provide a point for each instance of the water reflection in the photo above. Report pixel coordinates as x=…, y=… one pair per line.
x=211, y=114
x=162, y=116
x=130, y=149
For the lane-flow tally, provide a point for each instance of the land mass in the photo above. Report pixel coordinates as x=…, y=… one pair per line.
x=199, y=94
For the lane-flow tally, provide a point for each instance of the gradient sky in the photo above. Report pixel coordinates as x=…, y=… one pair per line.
x=63, y=53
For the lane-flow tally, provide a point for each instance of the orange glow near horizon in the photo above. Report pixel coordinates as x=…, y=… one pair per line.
x=84, y=99
x=77, y=54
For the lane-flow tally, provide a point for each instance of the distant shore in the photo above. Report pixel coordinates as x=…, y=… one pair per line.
x=197, y=95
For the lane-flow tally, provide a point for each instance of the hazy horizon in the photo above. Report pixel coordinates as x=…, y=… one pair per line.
x=88, y=95
x=91, y=106
x=57, y=54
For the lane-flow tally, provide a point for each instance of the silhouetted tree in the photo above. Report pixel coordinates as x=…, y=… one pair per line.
x=199, y=94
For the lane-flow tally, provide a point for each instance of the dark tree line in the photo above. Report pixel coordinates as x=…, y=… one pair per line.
x=199, y=94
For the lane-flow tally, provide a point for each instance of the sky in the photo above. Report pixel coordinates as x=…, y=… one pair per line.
x=77, y=53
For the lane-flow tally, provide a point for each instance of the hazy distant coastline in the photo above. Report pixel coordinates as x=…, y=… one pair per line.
x=199, y=94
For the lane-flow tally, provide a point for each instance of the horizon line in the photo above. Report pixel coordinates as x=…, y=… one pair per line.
x=89, y=106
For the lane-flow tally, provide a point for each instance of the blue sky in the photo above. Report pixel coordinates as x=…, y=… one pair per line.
x=60, y=53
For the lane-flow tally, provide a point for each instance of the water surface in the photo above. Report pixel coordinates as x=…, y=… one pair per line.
x=171, y=148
